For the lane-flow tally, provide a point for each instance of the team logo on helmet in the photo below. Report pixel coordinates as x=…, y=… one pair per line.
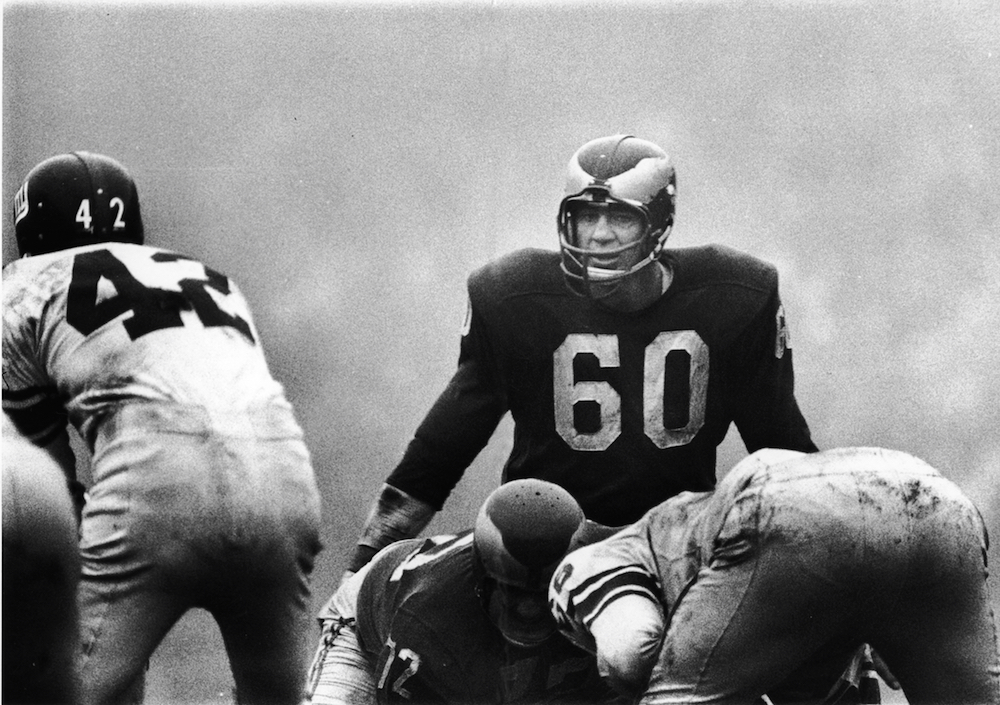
x=21, y=203
x=630, y=173
x=76, y=199
x=523, y=530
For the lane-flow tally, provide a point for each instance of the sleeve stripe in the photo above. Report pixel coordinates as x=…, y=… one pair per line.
x=632, y=571
x=41, y=437
x=588, y=620
x=48, y=437
x=591, y=597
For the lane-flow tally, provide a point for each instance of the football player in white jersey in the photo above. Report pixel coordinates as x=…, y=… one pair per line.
x=202, y=490
x=768, y=585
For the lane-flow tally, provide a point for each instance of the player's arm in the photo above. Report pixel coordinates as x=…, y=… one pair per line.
x=30, y=399
x=613, y=610
x=394, y=516
x=766, y=411
x=625, y=657
x=341, y=673
x=39, y=417
x=343, y=670
x=456, y=428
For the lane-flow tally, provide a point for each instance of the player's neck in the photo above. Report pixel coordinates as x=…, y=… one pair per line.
x=642, y=289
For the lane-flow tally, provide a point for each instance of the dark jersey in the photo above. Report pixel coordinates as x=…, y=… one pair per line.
x=421, y=624
x=622, y=409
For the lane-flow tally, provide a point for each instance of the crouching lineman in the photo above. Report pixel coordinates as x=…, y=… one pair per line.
x=203, y=492
x=461, y=619
x=772, y=582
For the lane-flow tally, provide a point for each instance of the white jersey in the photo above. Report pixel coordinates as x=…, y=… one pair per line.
x=859, y=544
x=593, y=577
x=90, y=328
x=657, y=558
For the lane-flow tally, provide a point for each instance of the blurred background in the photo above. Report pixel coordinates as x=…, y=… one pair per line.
x=348, y=164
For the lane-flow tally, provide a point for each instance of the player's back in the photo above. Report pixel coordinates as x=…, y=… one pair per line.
x=854, y=496
x=105, y=325
x=421, y=621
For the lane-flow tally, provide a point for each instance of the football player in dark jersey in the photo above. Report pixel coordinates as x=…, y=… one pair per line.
x=462, y=619
x=622, y=363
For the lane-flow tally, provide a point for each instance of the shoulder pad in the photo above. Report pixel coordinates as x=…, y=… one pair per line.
x=519, y=272
x=719, y=264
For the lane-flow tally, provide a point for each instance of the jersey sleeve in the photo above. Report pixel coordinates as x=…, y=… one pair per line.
x=591, y=579
x=30, y=398
x=462, y=419
x=766, y=412
x=406, y=677
x=397, y=668
x=656, y=559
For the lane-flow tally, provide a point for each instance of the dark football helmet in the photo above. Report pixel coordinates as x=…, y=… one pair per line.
x=523, y=530
x=76, y=199
x=617, y=170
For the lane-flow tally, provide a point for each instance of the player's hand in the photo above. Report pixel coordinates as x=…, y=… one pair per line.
x=359, y=559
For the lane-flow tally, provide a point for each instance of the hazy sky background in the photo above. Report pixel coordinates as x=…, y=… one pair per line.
x=349, y=164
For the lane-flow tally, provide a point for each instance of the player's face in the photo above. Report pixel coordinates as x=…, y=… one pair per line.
x=522, y=615
x=607, y=228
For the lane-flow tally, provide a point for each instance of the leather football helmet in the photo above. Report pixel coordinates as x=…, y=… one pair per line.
x=618, y=170
x=76, y=199
x=524, y=529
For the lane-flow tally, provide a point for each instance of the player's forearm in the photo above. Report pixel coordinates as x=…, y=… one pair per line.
x=457, y=427
x=394, y=516
x=341, y=673
x=628, y=635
